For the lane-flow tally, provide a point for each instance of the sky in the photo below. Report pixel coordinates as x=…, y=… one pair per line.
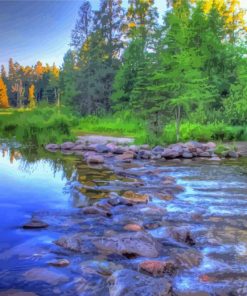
x=32, y=30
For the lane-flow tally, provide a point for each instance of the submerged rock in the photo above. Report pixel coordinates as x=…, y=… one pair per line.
x=14, y=292
x=96, y=211
x=45, y=275
x=158, y=268
x=127, y=282
x=187, y=259
x=129, y=244
x=135, y=198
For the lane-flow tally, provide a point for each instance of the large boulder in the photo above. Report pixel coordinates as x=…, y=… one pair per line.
x=68, y=146
x=127, y=282
x=129, y=244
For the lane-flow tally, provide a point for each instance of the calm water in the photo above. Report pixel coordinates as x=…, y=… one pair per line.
x=39, y=183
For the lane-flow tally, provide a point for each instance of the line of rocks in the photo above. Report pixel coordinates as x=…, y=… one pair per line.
x=96, y=153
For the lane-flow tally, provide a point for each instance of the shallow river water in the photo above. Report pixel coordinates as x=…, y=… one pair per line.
x=213, y=207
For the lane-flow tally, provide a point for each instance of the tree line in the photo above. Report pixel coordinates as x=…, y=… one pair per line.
x=191, y=64
x=26, y=86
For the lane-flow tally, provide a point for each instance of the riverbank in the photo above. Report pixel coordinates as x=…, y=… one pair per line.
x=46, y=124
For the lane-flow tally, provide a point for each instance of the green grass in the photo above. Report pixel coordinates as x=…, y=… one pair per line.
x=49, y=124
x=39, y=126
x=115, y=125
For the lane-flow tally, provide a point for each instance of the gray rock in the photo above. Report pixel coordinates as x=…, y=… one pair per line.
x=67, y=146
x=157, y=150
x=127, y=282
x=96, y=211
x=187, y=155
x=102, y=149
x=78, y=147
x=232, y=154
x=144, y=154
x=129, y=244
x=205, y=154
x=95, y=159
x=170, y=153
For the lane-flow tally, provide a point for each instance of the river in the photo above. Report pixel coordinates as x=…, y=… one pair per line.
x=54, y=187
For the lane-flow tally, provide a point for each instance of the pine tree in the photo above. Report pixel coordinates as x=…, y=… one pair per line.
x=4, y=101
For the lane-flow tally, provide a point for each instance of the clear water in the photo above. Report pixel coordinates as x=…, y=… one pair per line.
x=38, y=183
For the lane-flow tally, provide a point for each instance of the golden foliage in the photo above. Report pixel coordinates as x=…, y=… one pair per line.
x=31, y=96
x=4, y=101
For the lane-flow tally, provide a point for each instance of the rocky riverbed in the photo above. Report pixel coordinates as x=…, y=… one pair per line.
x=135, y=230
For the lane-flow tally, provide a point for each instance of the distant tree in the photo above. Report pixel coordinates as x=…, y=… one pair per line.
x=4, y=102
x=31, y=96
x=84, y=24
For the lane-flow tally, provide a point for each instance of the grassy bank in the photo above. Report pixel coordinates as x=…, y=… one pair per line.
x=38, y=126
x=49, y=124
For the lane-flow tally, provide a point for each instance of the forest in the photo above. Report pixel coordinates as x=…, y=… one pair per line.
x=131, y=71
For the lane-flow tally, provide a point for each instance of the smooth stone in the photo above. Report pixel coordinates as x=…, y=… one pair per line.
x=135, y=198
x=128, y=282
x=144, y=154
x=133, y=227
x=130, y=244
x=95, y=159
x=59, y=263
x=67, y=146
x=79, y=147
x=102, y=149
x=170, y=153
x=35, y=224
x=158, y=268
x=93, y=210
x=187, y=155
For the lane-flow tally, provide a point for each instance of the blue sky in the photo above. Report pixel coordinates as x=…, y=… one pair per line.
x=32, y=30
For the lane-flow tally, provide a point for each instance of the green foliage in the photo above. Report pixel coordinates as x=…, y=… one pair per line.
x=39, y=126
